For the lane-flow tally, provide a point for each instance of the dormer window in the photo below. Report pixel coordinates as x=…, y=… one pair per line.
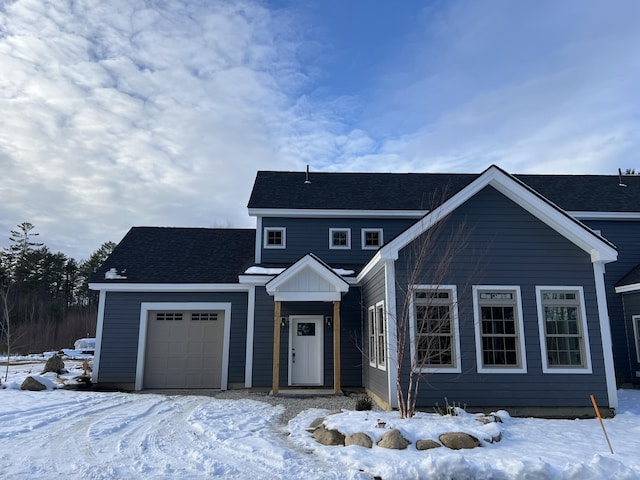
x=371, y=238
x=340, y=238
x=275, y=237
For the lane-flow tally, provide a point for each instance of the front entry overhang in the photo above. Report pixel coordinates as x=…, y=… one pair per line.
x=307, y=280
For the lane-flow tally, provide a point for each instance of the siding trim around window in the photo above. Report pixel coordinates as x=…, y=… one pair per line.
x=340, y=238
x=636, y=333
x=363, y=234
x=276, y=232
x=452, y=302
x=582, y=333
x=377, y=327
x=502, y=297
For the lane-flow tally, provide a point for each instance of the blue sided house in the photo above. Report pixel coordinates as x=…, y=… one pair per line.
x=496, y=290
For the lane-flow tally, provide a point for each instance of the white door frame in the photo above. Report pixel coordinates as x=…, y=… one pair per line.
x=319, y=321
x=146, y=307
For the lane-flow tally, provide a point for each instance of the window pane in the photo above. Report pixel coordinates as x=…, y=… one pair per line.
x=434, y=328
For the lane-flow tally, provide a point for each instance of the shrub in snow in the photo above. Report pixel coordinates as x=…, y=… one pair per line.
x=363, y=403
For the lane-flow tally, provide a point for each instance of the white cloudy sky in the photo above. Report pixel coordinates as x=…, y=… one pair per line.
x=116, y=113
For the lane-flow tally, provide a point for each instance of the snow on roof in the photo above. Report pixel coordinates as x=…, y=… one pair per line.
x=255, y=270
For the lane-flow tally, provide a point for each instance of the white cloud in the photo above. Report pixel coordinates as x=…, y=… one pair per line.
x=123, y=112
x=115, y=114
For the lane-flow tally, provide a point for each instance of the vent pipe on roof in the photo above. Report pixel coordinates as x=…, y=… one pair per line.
x=306, y=178
x=620, y=184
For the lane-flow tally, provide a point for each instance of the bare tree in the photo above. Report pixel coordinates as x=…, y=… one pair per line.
x=5, y=324
x=426, y=317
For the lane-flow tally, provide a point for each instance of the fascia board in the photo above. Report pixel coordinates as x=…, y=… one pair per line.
x=169, y=287
x=341, y=213
x=308, y=261
x=548, y=213
x=376, y=263
x=605, y=215
x=632, y=287
x=255, y=279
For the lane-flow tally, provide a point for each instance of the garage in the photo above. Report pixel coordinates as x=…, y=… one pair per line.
x=184, y=349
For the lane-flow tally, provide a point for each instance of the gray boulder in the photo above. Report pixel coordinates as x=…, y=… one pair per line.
x=360, y=439
x=427, y=444
x=54, y=364
x=328, y=437
x=459, y=440
x=393, y=439
x=32, y=385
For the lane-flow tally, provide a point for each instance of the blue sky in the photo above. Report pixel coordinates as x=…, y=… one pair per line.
x=122, y=112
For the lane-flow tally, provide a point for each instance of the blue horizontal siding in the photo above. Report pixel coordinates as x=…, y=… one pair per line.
x=508, y=246
x=305, y=235
x=625, y=235
x=120, y=331
x=350, y=332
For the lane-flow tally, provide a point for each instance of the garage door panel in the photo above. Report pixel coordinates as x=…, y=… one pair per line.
x=185, y=353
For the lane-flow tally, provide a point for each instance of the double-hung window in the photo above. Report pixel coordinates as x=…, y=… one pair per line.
x=563, y=330
x=377, y=344
x=340, y=238
x=499, y=329
x=275, y=237
x=434, y=329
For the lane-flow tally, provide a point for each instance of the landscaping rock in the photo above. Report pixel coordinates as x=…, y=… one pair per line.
x=427, y=444
x=328, y=437
x=54, y=364
x=489, y=419
x=393, y=439
x=315, y=424
x=32, y=385
x=459, y=440
x=360, y=439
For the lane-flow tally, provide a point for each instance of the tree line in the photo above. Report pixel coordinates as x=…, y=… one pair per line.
x=45, y=301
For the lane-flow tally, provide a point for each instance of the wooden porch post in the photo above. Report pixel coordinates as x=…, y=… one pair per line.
x=336, y=347
x=275, y=384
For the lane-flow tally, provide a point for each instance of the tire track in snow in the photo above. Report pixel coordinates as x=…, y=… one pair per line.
x=98, y=436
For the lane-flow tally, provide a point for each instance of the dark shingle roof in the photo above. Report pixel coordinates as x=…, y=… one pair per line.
x=420, y=191
x=631, y=278
x=180, y=255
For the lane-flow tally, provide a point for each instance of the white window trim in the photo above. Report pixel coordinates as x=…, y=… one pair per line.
x=456, y=367
x=371, y=338
x=146, y=307
x=283, y=230
x=585, y=331
x=636, y=332
x=381, y=319
x=371, y=247
x=522, y=368
x=374, y=353
x=340, y=247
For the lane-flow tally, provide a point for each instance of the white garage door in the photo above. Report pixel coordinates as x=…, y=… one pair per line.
x=184, y=349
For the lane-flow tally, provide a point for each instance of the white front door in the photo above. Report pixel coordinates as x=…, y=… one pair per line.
x=306, y=338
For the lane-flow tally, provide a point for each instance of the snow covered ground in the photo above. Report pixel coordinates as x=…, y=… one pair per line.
x=91, y=435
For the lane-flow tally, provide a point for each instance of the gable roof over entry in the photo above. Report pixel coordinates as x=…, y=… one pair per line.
x=309, y=279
